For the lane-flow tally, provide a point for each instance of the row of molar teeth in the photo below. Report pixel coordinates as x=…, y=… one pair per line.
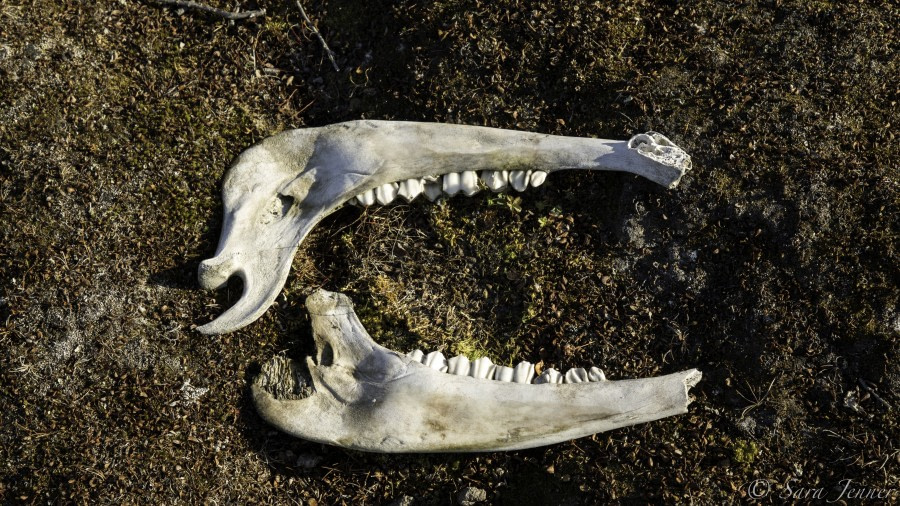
x=523, y=372
x=451, y=184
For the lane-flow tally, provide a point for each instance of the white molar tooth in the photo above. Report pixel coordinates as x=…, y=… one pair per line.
x=524, y=372
x=468, y=182
x=458, y=365
x=576, y=375
x=436, y=361
x=537, y=178
x=386, y=193
x=495, y=180
x=367, y=198
x=411, y=188
x=519, y=179
x=452, y=183
x=432, y=189
x=503, y=373
x=551, y=375
x=482, y=368
x=596, y=374
x=416, y=355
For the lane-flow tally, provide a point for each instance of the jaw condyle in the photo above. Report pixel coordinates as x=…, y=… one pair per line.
x=359, y=395
x=278, y=190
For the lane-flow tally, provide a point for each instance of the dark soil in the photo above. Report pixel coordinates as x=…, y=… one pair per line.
x=773, y=267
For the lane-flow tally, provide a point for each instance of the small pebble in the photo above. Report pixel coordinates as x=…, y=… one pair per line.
x=471, y=495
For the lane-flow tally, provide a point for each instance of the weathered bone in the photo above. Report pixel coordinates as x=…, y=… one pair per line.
x=278, y=190
x=357, y=394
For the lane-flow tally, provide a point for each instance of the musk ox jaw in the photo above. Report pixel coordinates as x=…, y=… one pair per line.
x=359, y=395
x=278, y=190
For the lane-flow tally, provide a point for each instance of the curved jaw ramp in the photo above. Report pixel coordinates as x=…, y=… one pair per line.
x=277, y=190
x=359, y=395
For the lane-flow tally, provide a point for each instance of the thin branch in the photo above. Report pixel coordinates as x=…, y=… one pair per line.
x=231, y=16
x=319, y=35
x=874, y=394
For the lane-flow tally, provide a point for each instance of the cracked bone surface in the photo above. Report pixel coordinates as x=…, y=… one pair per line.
x=359, y=395
x=276, y=191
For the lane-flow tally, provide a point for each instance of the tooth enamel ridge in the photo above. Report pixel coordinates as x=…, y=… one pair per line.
x=518, y=179
x=576, y=375
x=411, y=188
x=386, y=193
x=450, y=184
x=537, y=178
x=458, y=365
x=523, y=372
x=503, y=373
x=435, y=360
x=359, y=395
x=550, y=375
x=596, y=374
x=468, y=182
x=482, y=368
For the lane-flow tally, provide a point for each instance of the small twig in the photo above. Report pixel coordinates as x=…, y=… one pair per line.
x=231, y=16
x=757, y=401
x=315, y=30
x=873, y=394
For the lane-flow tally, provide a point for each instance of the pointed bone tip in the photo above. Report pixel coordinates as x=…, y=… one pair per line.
x=208, y=329
x=229, y=321
x=255, y=299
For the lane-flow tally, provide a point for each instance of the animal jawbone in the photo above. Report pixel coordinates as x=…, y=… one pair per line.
x=359, y=395
x=278, y=190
